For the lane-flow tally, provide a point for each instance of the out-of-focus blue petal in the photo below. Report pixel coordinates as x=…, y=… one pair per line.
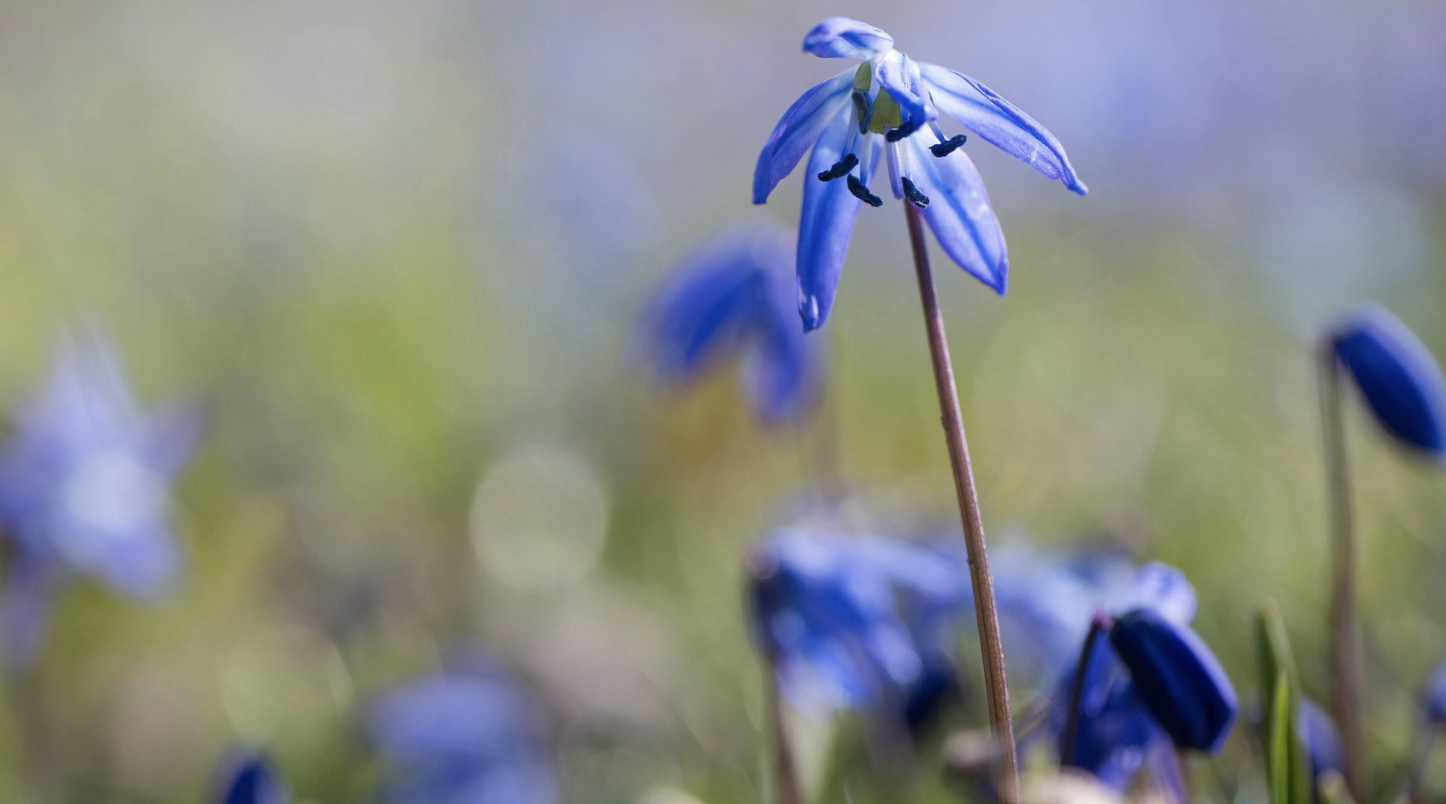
x=1000, y=122
x=798, y=130
x=31, y=585
x=173, y=433
x=960, y=214
x=463, y=736
x=900, y=76
x=1163, y=589
x=1434, y=696
x=783, y=378
x=1177, y=678
x=827, y=222
x=1396, y=373
x=706, y=310
x=843, y=38
x=1115, y=729
x=251, y=780
x=1322, y=741
x=830, y=614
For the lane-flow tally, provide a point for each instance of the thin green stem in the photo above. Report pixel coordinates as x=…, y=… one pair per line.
x=991, y=647
x=1346, y=660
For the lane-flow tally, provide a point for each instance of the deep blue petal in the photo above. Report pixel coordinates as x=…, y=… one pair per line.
x=1396, y=373
x=900, y=75
x=959, y=212
x=1115, y=729
x=1434, y=696
x=798, y=130
x=1000, y=122
x=252, y=781
x=1177, y=678
x=827, y=222
x=843, y=38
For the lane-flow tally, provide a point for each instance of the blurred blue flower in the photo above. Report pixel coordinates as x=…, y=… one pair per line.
x=1434, y=696
x=854, y=623
x=1322, y=741
x=1117, y=736
x=248, y=778
x=1177, y=678
x=735, y=296
x=889, y=107
x=1397, y=375
x=465, y=735
x=85, y=487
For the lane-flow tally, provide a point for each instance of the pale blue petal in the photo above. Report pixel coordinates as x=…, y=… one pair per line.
x=1000, y=122
x=900, y=75
x=829, y=212
x=960, y=214
x=843, y=38
x=798, y=130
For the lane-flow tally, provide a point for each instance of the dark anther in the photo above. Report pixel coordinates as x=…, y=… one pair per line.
x=945, y=148
x=912, y=193
x=863, y=110
x=862, y=193
x=840, y=168
x=896, y=134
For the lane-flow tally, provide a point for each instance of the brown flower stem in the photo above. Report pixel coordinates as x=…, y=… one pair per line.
x=1346, y=661
x=784, y=766
x=991, y=647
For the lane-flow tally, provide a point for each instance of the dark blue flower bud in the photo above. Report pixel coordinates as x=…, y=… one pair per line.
x=1177, y=678
x=1317, y=732
x=251, y=780
x=1434, y=696
x=1396, y=373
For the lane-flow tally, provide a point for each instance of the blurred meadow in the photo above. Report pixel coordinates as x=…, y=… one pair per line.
x=397, y=254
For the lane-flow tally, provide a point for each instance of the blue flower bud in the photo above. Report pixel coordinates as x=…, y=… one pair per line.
x=251, y=780
x=1322, y=741
x=1177, y=678
x=1397, y=375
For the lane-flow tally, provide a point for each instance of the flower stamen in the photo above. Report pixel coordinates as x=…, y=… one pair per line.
x=863, y=110
x=861, y=192
x=912, y=193
x=949, y=146
x=840, y=168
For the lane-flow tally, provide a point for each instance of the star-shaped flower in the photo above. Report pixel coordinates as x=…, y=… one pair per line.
x=888, y=108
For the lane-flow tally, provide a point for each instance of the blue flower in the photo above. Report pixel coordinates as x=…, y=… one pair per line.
x=735, y=296
x=889, y=108
x=462, y=736
x=854, y=623
x=250, y=779
x=1397, y=375
x=1177, y=678
x=85, y=487
x=1433, y=697
x=1322, y=741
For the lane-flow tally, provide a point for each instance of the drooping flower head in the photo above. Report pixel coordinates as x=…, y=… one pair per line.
x=1177, y=678
x=734, y=297
x=853, y=623
x=249, y=778
x=85, y=487
x=1400, y=380
x=466, y=735
x=888, y=108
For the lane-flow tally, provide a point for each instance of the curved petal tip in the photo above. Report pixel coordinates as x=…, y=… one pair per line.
x=844, y=38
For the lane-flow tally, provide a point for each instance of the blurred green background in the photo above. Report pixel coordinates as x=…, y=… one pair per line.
x=399, y=249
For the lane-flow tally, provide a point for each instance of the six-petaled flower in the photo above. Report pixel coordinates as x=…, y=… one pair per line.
x=888, y=109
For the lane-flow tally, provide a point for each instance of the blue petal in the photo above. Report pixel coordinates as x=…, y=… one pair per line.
x=1177, y=678
x=1115, y=729
x=827, y=222
x=843, y=38
x=798, y=130
x=1434, y=696
x=900, y=75
x=1317, y=732
x=960, y=214
x=252, y=781
x=1397, y=375
x=783, y=378
x=705, y=311
x=1000, y=122
x=1166, y=590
